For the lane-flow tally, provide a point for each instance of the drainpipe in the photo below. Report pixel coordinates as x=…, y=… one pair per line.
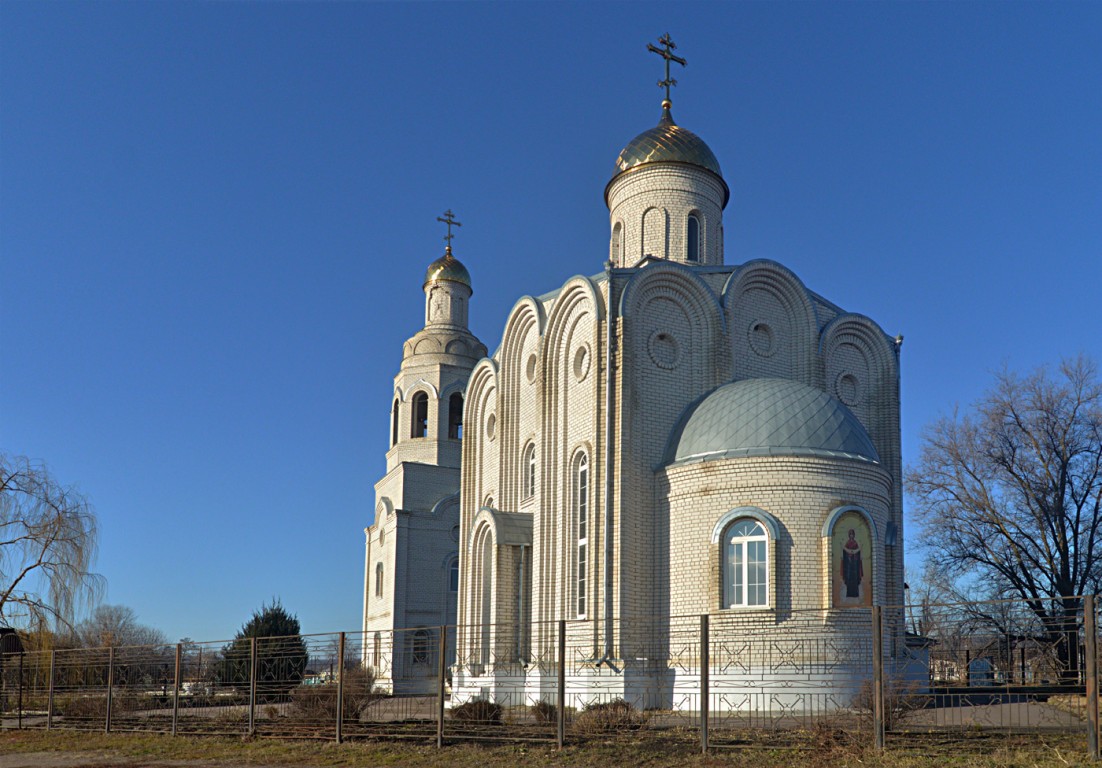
x=520, y=608
x=609, y=465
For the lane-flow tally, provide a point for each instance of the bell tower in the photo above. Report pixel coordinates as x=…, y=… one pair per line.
x=411, y=555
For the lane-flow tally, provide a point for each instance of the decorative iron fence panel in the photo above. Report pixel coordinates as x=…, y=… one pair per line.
x=755, y=677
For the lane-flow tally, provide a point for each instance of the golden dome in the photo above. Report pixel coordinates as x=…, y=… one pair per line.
x=447, y=267
x=667, y=142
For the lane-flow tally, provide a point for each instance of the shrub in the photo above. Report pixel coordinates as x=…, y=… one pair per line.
x=319, y=702
x=615, y=715
x=899, y=702
x=478, y=711
x=90, y=706
x=544, y=712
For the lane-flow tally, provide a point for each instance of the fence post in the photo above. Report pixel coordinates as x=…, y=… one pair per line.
x=560, y=725
x=877, y=678
x=252, y=686
x=340, y=689
x=704, y=681
x=110, y=685
x=50, y=696
x=19, y=714
x=1090, y=636
x=441, y=681
x=176, y=691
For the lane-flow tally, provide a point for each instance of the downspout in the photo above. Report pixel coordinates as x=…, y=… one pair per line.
x=609, y=465
x=520, y=608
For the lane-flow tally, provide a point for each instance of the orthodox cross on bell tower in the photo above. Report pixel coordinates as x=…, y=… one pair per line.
x=449, y=219
x=666, y=53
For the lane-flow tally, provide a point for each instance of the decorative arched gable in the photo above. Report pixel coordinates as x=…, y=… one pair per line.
x=446, y=505
x=480, y=446
x=861, y=370
x=672, y=325
x=519, y=385
x=571, y=344
x=772, y=323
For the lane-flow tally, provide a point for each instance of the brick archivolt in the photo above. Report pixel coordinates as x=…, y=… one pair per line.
x=773, y=324
x=569, y=417
x=518, y=397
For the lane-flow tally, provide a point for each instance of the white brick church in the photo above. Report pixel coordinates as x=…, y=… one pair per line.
x=671, y=436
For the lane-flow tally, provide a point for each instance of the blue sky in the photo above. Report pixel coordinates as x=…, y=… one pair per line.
x=215, y=220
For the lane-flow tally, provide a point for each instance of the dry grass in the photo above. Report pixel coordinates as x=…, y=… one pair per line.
x=824, y=748
x=1075, y=705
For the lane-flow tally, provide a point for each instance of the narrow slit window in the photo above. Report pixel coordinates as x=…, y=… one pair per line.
x=455, y=417
x=528, y=467
x=693, y=240
x=394, y=424
x=420, y=427
x=581, y=507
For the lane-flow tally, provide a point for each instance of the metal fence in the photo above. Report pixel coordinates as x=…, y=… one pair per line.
x=884, y=676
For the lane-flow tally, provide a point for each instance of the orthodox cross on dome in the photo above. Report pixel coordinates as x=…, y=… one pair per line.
x=449, y=219
x=665, y=52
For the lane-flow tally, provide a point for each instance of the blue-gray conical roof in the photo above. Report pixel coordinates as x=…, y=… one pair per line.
x=768, y=417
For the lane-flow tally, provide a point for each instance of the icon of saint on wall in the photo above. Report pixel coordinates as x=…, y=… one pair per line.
x=852, y=571
x=850, y=561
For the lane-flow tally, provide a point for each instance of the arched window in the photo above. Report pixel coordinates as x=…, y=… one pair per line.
x=581, y=515
x=453, y=576
x=693, y=240
x=378, y=580
x=745, y=564
x=421, y=639
x=377, y=650
x=617, y=244
x=420, y=410
x=394, y=424
x=528, y=471
x=486, y=597
x=455, y=416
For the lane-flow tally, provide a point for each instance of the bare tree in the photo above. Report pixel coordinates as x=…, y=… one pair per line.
x=47, y=546
x=1009, y=497
x=115, y=626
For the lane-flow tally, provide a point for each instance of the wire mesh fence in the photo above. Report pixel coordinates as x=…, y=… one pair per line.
x=885, y=675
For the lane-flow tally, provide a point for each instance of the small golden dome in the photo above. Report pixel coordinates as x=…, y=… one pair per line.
x=447, y=267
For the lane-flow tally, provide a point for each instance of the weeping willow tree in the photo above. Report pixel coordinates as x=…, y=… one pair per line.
x=47, y=548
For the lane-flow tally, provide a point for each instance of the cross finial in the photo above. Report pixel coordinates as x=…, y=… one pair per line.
x=449, y=219
x=665, y=52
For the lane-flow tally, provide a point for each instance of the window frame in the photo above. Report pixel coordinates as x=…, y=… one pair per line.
x=582, y=524
x=379, y=570
x=394, y=419
x=421, y=646
x=692, y=249
x=728, y=585
x=455, y=416
x=528, y=468
x=419, y=423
